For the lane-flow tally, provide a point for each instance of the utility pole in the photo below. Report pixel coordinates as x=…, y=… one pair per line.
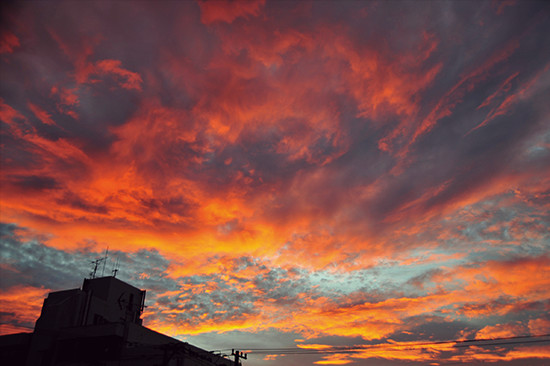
x=238, y=355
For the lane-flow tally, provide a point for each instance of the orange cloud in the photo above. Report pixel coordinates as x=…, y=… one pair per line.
x=313, y=315
x=539, y=326
x=487, y=355
x=334, y=360
x=501, y=331
x=291, y=147
x=540, y=352
x=20, y=308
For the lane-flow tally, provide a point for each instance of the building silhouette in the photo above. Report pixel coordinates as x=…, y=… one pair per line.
x=99, y=324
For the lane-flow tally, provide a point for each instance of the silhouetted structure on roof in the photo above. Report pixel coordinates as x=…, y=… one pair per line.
x=99, y=324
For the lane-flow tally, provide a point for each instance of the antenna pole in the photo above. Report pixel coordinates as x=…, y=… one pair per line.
x=105, y=261
x=95, y=264
x=116, y=268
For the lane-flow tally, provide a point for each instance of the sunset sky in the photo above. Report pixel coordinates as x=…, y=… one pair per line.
x=285, y=174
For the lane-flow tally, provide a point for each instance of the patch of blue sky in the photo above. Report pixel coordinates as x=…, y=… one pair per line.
x=387, y=276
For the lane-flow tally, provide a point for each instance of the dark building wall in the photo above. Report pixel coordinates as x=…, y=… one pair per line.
x=14, y=348
x=101, y=300
x=62, y=309
x=99, y=324
x=113, y=301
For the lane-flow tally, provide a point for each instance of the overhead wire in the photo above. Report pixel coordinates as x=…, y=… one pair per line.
x=482, y=342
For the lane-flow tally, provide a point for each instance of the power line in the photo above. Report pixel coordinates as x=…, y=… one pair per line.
x=483, y=342
x=358, y=350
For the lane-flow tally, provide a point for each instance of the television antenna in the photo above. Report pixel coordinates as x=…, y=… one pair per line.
x=115, y=270
x=105, y=261
x=97, y=262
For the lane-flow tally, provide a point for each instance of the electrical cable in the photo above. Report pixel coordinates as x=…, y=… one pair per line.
x=483, y=342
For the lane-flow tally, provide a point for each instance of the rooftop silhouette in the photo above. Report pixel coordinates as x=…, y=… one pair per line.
x=100, y=324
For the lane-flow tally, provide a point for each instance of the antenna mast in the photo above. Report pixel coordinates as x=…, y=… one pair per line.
x=115, y=270
x=105, y=261
x=95, y=264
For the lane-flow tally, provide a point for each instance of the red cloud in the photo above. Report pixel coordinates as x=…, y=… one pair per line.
x=228, y=10
x=128, y=79
x=8, y=42
x=41, y=114
x=68, y=100
x=86, y=71
x=504, y=107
